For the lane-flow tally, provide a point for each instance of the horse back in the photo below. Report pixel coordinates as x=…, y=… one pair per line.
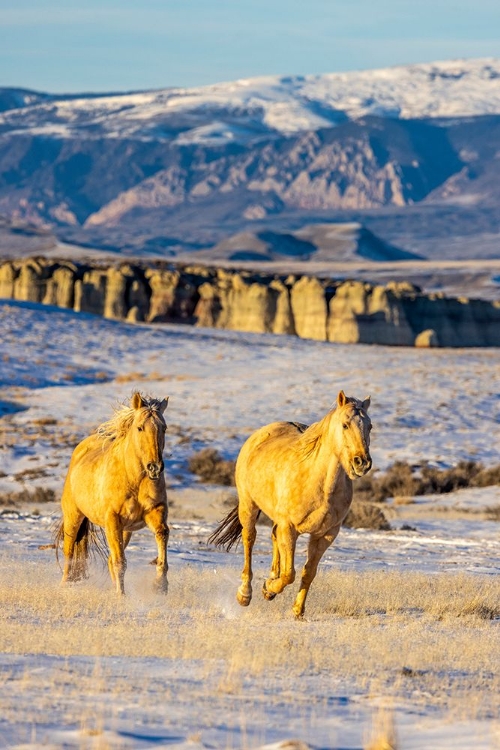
x=268, y=459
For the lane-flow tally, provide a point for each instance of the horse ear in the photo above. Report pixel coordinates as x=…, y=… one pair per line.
x=136, y=400
x=366, y=403
x=341, y=399
x=163, y=405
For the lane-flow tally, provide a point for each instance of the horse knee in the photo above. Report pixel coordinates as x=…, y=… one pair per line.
x=162, y=533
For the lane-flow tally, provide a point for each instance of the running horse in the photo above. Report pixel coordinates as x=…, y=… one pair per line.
x=116, y=481
x=301, y=478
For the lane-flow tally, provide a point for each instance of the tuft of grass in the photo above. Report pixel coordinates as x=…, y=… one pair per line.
x=364, y=515
x=211, y=467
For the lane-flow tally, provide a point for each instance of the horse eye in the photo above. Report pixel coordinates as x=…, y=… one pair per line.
x=345, y=425
x=140, y=429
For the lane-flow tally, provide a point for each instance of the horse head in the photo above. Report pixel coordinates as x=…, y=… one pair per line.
x=148, y=433
x=352, y=426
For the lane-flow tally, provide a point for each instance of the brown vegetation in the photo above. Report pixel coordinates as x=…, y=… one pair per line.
x=363, y=515
x=33, y=495
x=212, y=468
x=403, y=480
x=400, y=480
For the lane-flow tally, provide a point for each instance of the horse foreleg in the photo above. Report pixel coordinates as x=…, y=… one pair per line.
x=156, y=520
x=127, y=535
x=117, y=562
x=315, y=551
x=284, y=548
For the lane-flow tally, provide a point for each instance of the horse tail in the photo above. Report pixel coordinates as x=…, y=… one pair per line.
x=228, y=532
x=90, y=540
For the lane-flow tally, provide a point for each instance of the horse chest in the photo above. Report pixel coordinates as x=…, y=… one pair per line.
x=324, y=513
x=132, y=514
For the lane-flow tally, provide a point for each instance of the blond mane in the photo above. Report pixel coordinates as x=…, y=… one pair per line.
x=310, y=440
x=115, y=429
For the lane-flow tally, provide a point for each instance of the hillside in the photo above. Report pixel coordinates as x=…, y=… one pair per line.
x=408, y=153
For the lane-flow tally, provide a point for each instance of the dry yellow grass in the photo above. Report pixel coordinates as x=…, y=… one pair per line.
x=429, y=637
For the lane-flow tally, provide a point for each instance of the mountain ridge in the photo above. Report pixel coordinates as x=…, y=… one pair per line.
x=248, y=108
x=187, y=168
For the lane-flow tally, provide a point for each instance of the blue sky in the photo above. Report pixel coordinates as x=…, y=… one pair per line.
x=122, y=45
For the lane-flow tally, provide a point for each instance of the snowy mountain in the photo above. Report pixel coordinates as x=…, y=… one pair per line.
x=248, y=109
x=395, y=150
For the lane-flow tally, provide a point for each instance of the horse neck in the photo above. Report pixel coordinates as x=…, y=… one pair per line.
x=134, y=470
x=324, y=463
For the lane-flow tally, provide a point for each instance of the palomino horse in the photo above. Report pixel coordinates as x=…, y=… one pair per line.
x=116, y=481
x=301, y=477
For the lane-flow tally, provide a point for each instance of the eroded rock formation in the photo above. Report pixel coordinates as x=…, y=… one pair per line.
x=397, y=314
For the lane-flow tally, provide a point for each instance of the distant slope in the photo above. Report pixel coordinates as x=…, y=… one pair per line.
x=325, y=243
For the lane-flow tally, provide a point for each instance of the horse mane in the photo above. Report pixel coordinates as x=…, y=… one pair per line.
x=310, y=440
x=115, y=429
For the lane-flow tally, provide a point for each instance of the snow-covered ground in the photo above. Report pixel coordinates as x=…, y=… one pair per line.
x=248, y=108
x=61, y=373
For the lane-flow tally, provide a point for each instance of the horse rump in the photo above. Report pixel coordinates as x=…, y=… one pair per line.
x=228, y=532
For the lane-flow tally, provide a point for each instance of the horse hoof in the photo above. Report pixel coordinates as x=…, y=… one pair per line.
x=244, y=599
x=161, y=587
x=269, y=595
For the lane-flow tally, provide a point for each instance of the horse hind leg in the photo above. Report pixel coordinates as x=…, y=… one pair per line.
x=117, y=562
x=275, y=565
x=248, y=513
x=74, y=547
x=284, y=553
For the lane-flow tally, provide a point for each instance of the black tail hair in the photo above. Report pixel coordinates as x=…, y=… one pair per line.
x=228, y=532
x=90, y=540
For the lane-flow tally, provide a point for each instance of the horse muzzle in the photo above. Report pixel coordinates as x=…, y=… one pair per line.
x=361, y=465
x=155, y=470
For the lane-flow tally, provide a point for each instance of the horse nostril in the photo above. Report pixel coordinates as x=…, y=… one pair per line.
x=155, y=469
x=358, y=461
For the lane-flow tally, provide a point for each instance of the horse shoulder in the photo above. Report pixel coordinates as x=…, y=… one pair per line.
x=340, y=497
